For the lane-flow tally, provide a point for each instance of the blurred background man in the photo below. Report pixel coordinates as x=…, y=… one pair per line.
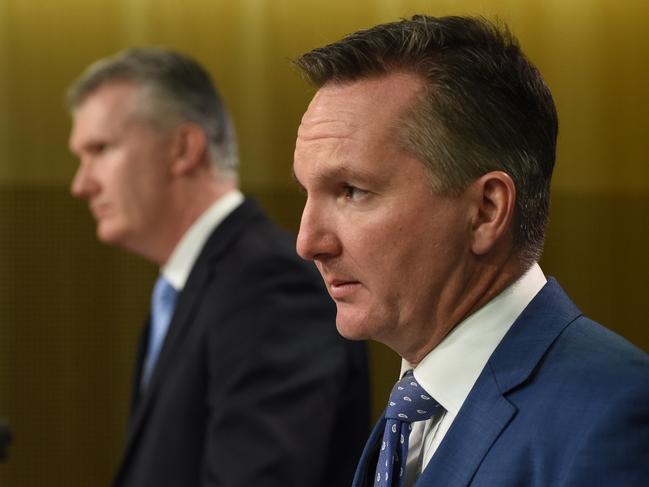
x=426, y=156
x=240, y=379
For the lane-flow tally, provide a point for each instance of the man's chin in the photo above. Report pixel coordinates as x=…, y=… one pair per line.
x=352, y=329
x=108, y=235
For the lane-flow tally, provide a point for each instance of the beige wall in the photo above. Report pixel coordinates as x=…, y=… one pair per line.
x=70, y=308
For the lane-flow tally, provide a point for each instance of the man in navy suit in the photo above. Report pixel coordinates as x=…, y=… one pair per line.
x=426, y=156
x=248, y=384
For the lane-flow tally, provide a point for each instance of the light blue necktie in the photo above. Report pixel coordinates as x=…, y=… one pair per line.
x=163, y=302
x=409, y=402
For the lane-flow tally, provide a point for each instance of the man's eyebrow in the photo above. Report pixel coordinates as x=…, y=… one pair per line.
x=342, y=171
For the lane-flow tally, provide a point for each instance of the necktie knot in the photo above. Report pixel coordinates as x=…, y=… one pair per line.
x=163, y=299
x=409, y=401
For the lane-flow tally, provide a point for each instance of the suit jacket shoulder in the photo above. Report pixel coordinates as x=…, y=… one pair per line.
x=562, y=401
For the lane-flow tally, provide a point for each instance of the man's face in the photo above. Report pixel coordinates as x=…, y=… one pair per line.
x=391, y=252
x=124, y=168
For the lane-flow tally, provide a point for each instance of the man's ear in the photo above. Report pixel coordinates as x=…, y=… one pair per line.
x=494, y=196
x=190, y=148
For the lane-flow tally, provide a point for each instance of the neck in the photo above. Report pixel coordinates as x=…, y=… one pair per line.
x=187, y=203
x=480, y=285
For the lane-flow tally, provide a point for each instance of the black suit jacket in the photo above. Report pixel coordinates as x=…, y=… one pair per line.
x=253, y=385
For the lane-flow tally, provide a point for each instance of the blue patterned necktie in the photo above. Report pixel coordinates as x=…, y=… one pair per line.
x=163, y=302
x=408, y=403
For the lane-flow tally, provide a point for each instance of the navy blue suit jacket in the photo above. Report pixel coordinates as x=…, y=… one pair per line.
x=561, y=402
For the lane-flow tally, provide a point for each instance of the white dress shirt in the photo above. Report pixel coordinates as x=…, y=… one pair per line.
x=183, y=257
x=450, y=370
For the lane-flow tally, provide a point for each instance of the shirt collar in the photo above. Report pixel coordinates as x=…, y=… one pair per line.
x=450, y=370
x=182, y=259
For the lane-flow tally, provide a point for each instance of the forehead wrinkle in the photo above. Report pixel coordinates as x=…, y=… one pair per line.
x=316, y=128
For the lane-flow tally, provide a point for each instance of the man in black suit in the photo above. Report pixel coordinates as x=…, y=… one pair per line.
x=245, y=382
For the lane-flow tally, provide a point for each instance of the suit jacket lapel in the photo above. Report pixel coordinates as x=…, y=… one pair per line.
x=364, y=475
x=486, y=411
x=483, y=416
x=199, y=278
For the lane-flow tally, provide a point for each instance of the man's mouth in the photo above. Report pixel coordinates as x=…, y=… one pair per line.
x=98, y=210
x=341, y=289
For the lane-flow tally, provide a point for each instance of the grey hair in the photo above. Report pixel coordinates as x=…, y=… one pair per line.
x=175, y=88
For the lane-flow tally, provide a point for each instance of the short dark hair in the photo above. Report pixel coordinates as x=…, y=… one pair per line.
x=483, y=107
x=178, y=87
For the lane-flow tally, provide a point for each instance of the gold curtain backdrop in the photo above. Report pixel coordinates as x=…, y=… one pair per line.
x=71, y=309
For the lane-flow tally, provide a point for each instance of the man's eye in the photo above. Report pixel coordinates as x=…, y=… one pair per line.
x=353, y=193
x=98, y=148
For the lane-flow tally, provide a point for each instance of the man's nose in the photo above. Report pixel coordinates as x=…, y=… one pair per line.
x=317, y=239
x=83, y=183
